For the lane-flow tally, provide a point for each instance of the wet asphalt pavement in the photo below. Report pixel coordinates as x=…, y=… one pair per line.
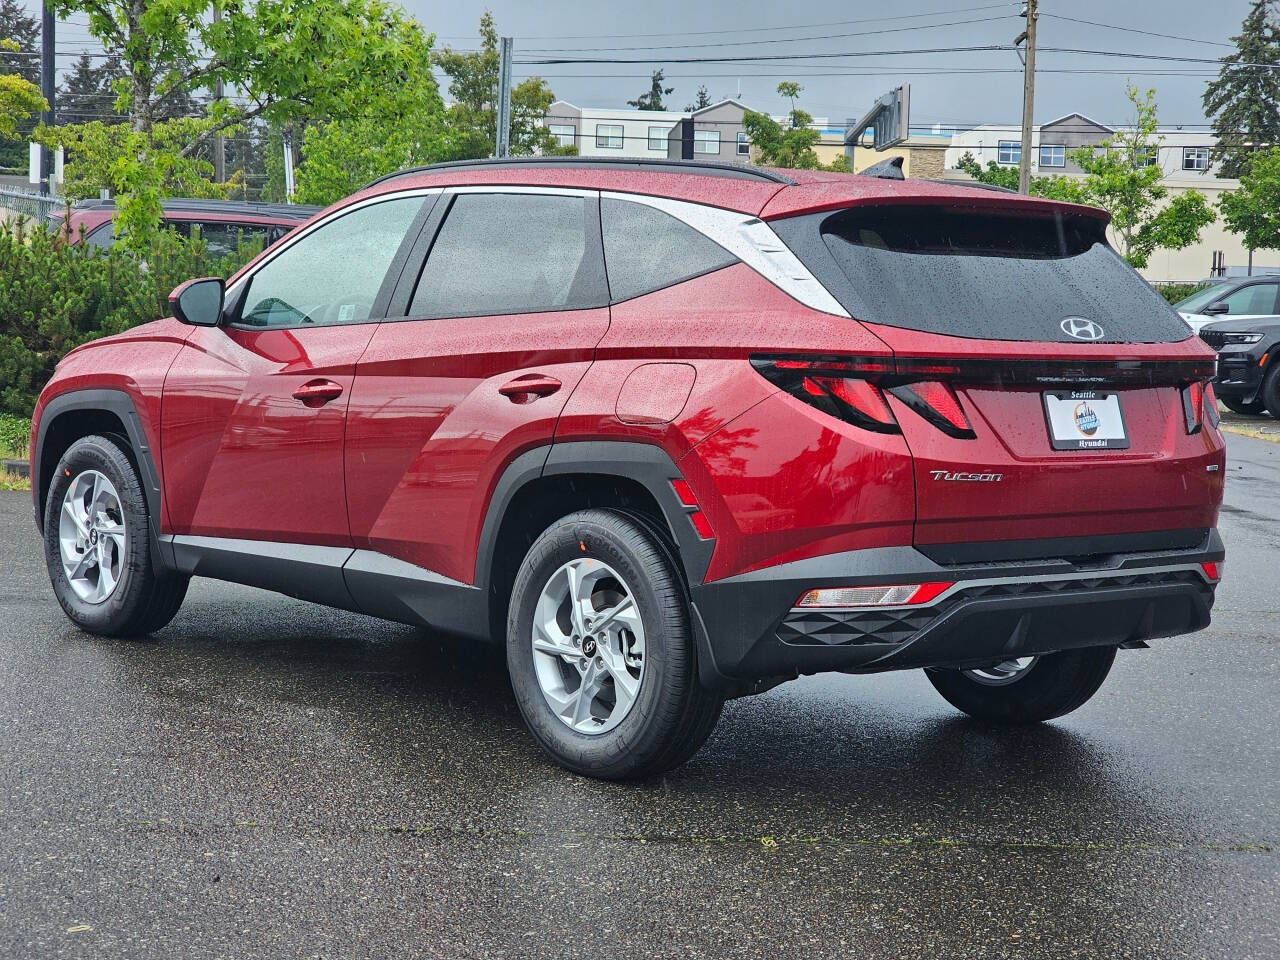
x=267, y=778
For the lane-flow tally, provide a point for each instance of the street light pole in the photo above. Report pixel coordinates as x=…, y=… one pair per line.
x=502, y=141
x=1028, y=92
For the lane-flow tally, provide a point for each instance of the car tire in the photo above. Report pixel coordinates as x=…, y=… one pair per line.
x=1269, y=395
x=639, y=726
x=1239, y=406
x=114, y=588
x=1051, y=685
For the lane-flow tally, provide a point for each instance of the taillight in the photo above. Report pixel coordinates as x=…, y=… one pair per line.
x=1193, y=404
x=937, y=402
x=853, y=390
x=853, y=401
x=1211, y=406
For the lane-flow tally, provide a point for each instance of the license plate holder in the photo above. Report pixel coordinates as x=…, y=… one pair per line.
x=1085, y=420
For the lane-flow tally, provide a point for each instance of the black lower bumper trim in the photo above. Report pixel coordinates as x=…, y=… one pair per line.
x=995, y=612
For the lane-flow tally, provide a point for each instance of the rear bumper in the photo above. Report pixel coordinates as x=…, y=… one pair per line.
x=749, y=630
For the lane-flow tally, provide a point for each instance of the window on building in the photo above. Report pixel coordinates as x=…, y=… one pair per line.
x=510, y=253
x=744, y=147
x=566, y=134
x=647, y=249
x=706, y=141
x=609, y=136
x=1195, y=158
x=658, y=138
x=1053, y=155
x=1146, y=156
x=1009, y=152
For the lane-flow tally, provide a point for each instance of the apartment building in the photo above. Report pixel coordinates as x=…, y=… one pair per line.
x=610, y=132
x=1184, y=160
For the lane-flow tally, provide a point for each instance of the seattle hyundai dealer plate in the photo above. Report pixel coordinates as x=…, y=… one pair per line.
x=1085, y=420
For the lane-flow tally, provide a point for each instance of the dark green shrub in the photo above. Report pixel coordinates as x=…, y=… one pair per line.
x=1173, y=292
x=55, y=296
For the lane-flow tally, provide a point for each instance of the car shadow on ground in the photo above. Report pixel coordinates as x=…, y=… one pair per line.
x=843, y=757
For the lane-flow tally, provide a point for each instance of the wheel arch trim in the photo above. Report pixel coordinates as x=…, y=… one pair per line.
x=121, y=405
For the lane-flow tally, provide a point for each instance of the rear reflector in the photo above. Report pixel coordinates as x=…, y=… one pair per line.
x=1212, y=571
x=701, y=524
x=911, y=594
x=684, y=493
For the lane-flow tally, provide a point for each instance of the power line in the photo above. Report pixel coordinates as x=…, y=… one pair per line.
x=1145, y=33
x=748, y=43
x=773, y=29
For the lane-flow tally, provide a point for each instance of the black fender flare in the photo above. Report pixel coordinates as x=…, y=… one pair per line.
x=644, y=463
x=120, y=404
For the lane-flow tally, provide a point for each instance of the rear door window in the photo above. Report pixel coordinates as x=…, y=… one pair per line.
x=501, y=253
x=646, y=249
x=980, y=274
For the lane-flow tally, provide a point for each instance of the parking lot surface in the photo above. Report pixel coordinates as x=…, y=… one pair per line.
x=266, y=778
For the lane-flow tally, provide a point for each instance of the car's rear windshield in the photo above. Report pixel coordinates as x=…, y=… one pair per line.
x=982, y=274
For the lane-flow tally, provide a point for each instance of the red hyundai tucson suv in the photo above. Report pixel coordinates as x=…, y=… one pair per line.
x=673, y=432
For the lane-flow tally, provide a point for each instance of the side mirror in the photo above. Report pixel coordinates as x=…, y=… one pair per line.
x=199, y=302
x=1216, y=309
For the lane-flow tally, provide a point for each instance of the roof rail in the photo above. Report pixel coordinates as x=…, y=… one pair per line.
x=708, y=168
x=301, y=211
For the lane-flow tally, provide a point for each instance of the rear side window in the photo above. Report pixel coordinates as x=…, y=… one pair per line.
x=979, y=274
x=224, y=239
x=646, y=249
x=511, y=253
x=1256, y=298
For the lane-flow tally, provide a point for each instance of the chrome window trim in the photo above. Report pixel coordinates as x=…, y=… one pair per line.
x=749, y=239
x=235, y=289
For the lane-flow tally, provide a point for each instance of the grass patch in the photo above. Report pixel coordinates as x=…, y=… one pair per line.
x=11, y=481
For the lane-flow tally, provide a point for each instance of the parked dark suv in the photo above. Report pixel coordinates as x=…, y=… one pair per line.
x=672, y=432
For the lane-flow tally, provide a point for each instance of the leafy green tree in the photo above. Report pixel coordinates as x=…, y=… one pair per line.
x=19, y=36
x=19, y=99
x=1253, y=211
x=791, y=90
x=703, y=99
x=652, y=99
x=288, y=61
x=1244, y=101
x=778, y=146
x=472, y=120
x=1057, y=187
x=1120, y=179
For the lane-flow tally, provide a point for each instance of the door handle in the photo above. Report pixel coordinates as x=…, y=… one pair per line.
x=524, y=389
x=316, y=393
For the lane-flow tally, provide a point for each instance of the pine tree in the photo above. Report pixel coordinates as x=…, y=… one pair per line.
x=86, y=91
x=652, y=100
x=1244, y=102
x=703, y=100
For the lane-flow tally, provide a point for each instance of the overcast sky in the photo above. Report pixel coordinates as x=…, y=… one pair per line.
x=971, y=91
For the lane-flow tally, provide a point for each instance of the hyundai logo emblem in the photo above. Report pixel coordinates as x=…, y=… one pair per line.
x=1081, y=329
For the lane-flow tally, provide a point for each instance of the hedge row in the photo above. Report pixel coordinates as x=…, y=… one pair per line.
x=56, y=295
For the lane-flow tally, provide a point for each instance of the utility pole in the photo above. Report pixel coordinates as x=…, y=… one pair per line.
x=46, y=87
x=1028, y=91
x=219, y=142
x=502, y=142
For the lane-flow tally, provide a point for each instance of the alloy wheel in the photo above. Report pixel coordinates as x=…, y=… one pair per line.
x=588, y=646
x=1006, y=671
x=92, y=537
